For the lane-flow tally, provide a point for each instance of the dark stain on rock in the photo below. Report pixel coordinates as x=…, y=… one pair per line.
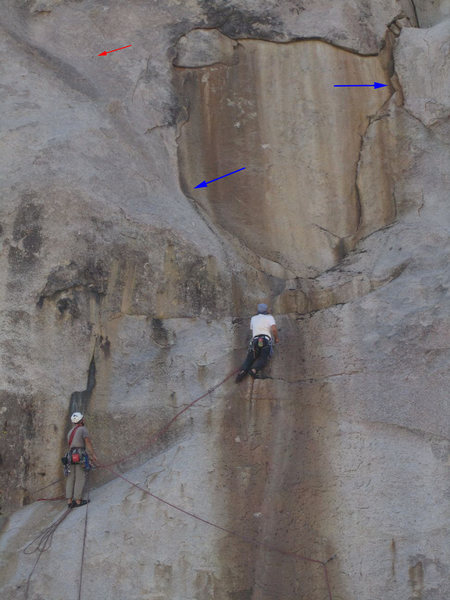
x=27, y=236
x=105, y=345
x=206, y=585
x=70, y=305
x=28, y=417
x=160, y=334
x=241, y=23
x=93, y=277
x=200, y=287
x=340, y=250
x=79, y=401
x=17, y=427
x=420, y=564
x=441, y=449
x=394, y=557
x=416, y=573
x=163, y=575
x=242, y=595
x=61, y=69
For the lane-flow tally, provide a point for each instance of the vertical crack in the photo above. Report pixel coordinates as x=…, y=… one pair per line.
x=415, y=13
x=79, y=401
x=359, y=211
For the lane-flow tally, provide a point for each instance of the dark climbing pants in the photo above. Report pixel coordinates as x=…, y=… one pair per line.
x=257, y=358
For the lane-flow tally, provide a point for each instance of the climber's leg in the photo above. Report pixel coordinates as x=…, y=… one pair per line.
x=261, y=360
x=246, y=365
x=70, y=484
x=80, y=481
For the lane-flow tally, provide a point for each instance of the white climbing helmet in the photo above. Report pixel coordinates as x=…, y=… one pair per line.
x=76, y=417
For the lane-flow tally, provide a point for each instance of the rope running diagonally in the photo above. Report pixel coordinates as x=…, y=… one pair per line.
x=155, y=437
x=243, y=538
x=46, y=536
x=152, y=440
x=247, y=540
x=148, y=444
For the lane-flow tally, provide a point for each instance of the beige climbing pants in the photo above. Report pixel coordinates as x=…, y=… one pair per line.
x=75, y=482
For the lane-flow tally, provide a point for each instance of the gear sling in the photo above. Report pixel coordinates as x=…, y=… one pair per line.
x=259, y=352
x=74, y=456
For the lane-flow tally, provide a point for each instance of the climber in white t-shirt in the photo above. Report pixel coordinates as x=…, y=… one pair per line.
x=264, y=334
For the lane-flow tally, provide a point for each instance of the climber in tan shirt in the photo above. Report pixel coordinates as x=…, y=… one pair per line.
x=78, y=461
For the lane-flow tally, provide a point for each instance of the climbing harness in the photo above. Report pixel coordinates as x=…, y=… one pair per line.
x=67, y=458
x=78, y=456
x=259, y=342
x=156, y=436
x=47, y=534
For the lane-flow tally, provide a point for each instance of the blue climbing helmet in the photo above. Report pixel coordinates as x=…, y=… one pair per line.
x=262, y=308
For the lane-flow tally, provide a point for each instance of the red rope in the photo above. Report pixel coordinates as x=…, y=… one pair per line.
x=45, y=487
x=201, y=519
x=327, y=580
x=50, y=499
x=155, y=437
x=247, y=540
x=153, y=440
x=150, y=442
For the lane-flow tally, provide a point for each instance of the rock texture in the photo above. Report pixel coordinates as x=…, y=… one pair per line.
x=431, y=12
x=274, y=105
x=126, y=294
x=429, y=52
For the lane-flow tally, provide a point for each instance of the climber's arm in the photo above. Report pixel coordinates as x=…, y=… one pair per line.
x=274, y=332
x=90, y=449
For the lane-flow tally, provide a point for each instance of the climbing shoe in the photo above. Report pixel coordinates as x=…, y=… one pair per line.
x=76, y=505
x=240, y=376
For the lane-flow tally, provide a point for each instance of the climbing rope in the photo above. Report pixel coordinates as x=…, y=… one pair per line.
x=44, y=488
x=45, y=538
x=43, y=542
x=156, y=436
x=245, y=539
x=80, y=585
x=51, y=499
x=153, y=439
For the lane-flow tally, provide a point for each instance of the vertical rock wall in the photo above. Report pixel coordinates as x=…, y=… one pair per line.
x=127, y=294
x=298, y=203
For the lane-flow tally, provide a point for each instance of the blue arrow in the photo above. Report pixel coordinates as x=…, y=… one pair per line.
x=205, y=183
x=375, y=85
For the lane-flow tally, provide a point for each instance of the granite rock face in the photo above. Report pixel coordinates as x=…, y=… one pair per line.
x=429, y=51
x=274, y=104
x=431, y=12
x=126, y=293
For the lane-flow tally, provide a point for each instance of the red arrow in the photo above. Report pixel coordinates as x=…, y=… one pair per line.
x=107, y=52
